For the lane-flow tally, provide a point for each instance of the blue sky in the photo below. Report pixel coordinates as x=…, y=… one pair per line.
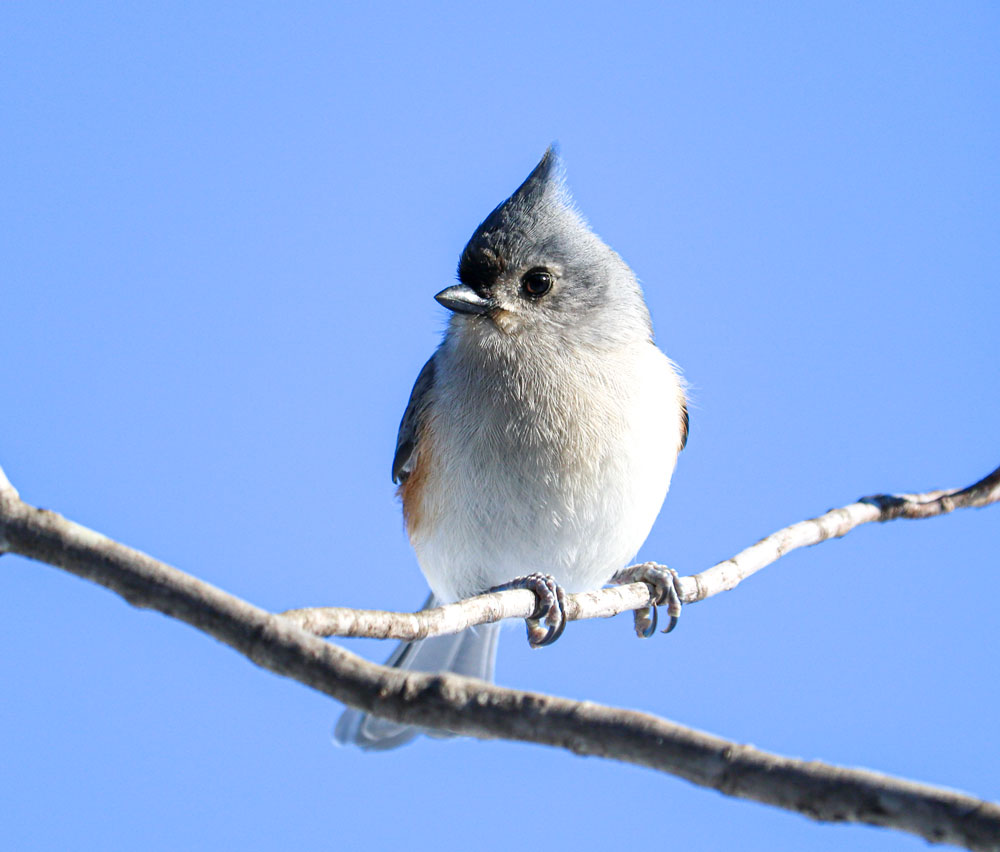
x=222, y=227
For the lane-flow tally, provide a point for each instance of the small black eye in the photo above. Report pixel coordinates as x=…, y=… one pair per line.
x=536, y=283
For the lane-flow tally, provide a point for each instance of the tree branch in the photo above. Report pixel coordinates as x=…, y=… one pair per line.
x=481, y=709
x=604, y=603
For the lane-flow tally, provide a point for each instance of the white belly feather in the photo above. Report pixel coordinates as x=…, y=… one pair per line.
x=535, y=477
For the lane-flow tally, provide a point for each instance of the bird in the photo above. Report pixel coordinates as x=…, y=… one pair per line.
x=539, y=439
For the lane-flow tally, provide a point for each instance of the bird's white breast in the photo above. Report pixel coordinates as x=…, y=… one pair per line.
x=554, y=461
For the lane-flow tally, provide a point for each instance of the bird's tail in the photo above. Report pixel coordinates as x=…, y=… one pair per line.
x=472, y=653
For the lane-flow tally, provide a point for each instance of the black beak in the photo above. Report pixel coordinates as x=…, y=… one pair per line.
x=462, y=299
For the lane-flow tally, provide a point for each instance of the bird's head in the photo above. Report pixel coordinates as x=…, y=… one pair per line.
x=534, y=267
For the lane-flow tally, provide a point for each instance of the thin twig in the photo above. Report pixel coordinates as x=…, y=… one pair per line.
x=604, y=603
x=480, y=709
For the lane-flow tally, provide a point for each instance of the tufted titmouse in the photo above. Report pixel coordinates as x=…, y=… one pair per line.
x=540, y=436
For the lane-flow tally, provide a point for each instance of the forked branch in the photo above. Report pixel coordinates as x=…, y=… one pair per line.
x=604, y=603
x=480, y=709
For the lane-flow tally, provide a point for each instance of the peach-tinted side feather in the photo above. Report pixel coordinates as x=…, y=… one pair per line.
x=412, y=491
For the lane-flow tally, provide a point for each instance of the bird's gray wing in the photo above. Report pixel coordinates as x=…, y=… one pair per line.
x=409, y=426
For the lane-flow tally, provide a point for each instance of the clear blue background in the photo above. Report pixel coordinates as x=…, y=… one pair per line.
x=221, y=228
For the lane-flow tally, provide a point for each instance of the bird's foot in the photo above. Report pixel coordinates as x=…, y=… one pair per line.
x=665, y=587
x=549, y=619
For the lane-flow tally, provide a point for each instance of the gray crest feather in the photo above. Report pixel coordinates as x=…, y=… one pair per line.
x=598, y=300
x=536, y=202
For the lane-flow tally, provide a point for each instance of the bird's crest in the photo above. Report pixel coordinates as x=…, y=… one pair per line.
x=542, y=196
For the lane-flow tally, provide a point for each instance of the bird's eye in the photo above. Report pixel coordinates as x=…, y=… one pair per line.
x=536, y=283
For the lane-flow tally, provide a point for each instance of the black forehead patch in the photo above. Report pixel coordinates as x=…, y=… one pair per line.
x=498, y=240
x=480, y=266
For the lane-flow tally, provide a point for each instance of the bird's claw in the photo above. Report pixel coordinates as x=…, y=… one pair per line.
x=646, y=621
x=664, y=584
x=548, y=621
